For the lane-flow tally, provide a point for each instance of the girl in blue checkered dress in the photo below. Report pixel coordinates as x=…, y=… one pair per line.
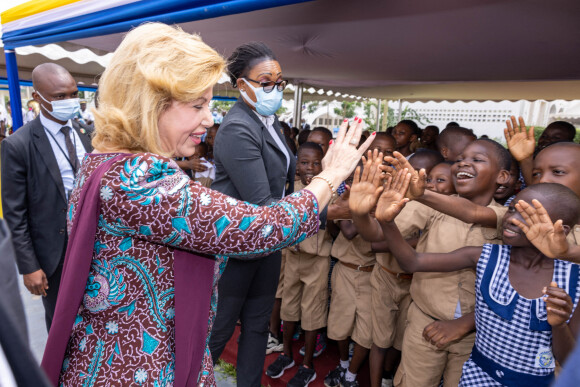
x=526, y=316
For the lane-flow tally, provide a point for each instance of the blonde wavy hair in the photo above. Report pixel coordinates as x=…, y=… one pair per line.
x=154, y=65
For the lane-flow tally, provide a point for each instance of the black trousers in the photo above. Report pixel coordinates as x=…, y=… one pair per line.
x=49, y=301
x=246, y=292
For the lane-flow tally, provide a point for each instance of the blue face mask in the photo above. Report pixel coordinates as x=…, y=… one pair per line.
x=64, y=109
x=266, y=103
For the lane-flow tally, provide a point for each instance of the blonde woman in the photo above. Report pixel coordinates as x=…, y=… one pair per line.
x=136, y=305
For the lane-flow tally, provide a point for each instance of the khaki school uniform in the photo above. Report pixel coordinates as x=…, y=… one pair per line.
x=390, y=289
x=436, y=297
x=350, y=304
x=280, y=289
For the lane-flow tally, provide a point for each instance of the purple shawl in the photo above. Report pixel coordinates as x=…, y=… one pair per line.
x=193, y=287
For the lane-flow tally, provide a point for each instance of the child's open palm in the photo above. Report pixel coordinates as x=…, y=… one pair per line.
x=392, y=200
x=418, y=178
x=549, y=238
x=520, y=141
x=366, y=184
x=558, y=304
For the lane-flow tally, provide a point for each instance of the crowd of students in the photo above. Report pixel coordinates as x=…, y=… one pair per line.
x=411, y=289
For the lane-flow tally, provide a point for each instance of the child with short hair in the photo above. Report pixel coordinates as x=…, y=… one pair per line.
x=350, y=302
x=305, y=291
x=321, y=136
x=405, y=133
x=429, y=137
x=424, y=159
x=448, y=312
x=440, y=179
x=452, y=140
x=526, y=315
x=506, y=193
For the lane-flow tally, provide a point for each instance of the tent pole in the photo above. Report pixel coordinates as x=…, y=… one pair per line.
x=385, y=115
x=298, y=105
x=13, y=88
x=378, y=128
x=400, y=110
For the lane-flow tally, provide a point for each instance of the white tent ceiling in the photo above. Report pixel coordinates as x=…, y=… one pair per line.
x=412, y=50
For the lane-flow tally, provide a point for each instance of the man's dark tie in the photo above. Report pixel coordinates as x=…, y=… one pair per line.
x=72, y=152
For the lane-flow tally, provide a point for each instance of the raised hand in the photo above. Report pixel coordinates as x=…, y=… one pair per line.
x=558, y=305
x=366, y=186
x=392, y=200
x=520, y=141
x=549, y=238
x=418, y=179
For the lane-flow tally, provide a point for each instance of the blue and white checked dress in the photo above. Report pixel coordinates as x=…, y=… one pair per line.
x=511, y=330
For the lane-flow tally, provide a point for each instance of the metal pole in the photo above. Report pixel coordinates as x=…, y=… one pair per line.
x=295, y=123
x=13, y=88
x=378, y=128
x=386, y=116
x=400, y=110
x=299, y=107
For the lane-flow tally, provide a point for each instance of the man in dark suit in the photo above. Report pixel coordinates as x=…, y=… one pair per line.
x=39, y=163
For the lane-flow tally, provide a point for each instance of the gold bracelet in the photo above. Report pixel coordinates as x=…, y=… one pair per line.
x=332, y=189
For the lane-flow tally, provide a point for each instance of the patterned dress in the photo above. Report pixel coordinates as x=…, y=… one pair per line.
x=512, y=331
x=124, y=330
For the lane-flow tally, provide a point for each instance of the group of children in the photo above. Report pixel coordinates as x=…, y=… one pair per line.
x=445, y=289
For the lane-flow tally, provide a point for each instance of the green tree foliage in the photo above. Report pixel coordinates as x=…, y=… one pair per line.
x=408, y=113
x=347, y=109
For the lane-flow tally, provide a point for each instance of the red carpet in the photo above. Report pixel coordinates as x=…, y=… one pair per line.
x=323, y=364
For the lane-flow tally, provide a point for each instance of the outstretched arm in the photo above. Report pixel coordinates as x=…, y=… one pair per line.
x=364, y=193
x=521, y=144
x=549, y=238
x=457, y=207
x=389, y=205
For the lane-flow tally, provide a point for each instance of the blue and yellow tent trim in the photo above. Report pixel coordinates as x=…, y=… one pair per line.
x=48, y=21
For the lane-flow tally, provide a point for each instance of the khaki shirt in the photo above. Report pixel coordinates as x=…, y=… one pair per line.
x=437, y=294
x=413, y=213
x=356, y=251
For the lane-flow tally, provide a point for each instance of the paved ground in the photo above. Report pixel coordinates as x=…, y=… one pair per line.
x=37, y=330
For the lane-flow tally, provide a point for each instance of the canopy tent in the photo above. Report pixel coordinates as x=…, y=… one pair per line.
x=413, y=50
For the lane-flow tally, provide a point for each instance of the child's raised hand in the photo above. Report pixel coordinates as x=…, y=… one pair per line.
x=549, y=238
x=392, y=200
x=418, y=179
x=366, y=186
x=558, y=304
x=521, y=142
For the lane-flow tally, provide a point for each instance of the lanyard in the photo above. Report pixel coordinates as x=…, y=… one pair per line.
x=62, y=150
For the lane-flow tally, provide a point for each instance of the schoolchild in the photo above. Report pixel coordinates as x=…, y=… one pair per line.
x=405, y=133
x=526, y=315
x=440, y=180
x=437, y=338
x=305, y=291
x=452, y=140
x=350, y=302
x=424, y=159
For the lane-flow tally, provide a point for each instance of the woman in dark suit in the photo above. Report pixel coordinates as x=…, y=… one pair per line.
x=254, y=164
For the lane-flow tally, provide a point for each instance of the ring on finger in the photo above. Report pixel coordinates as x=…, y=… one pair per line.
x=353, y=142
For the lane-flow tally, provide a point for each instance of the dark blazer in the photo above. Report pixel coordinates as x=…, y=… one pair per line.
x=13, y=334
x=33, y=198
x=249, y=164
